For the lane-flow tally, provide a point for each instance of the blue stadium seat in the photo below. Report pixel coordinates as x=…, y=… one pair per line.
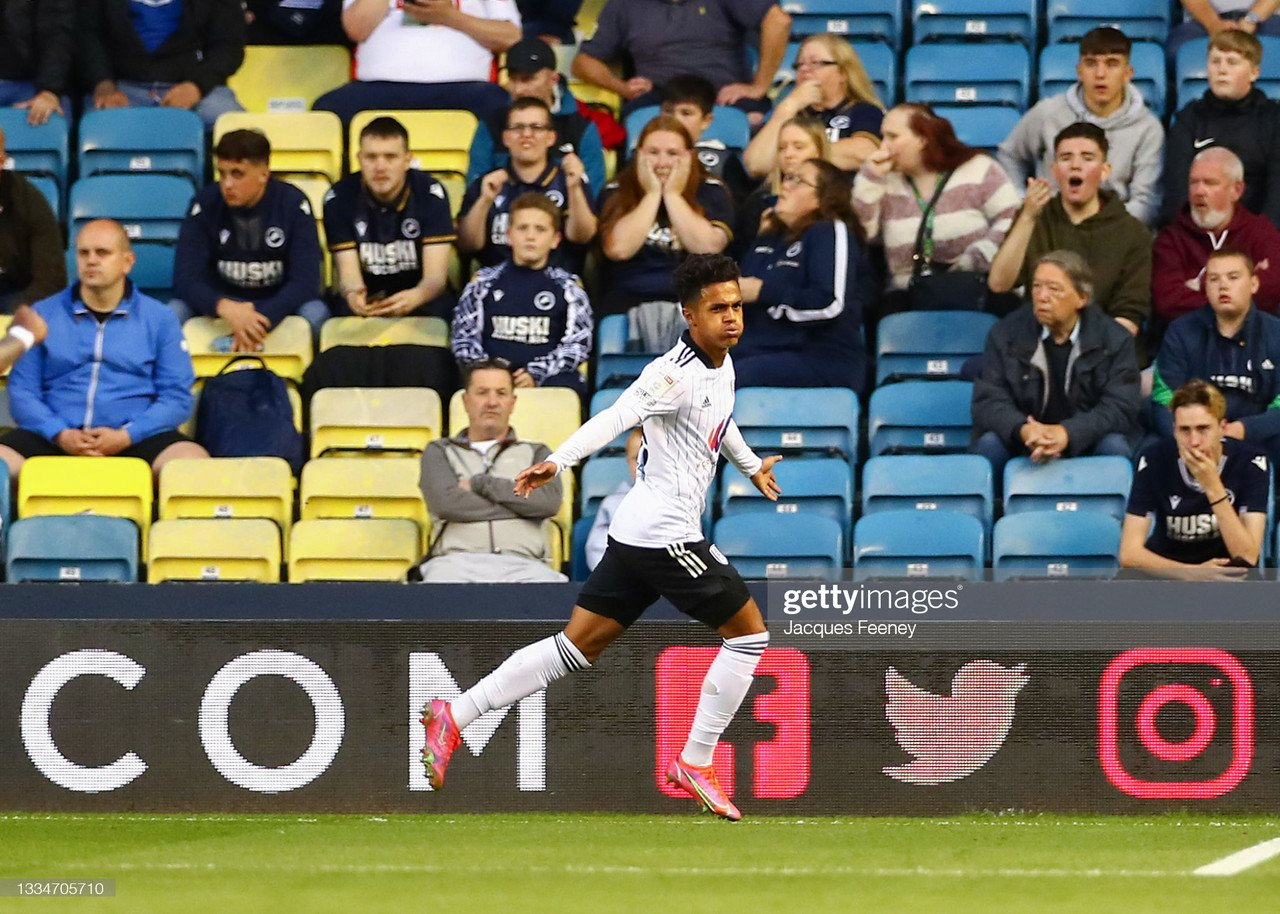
x=148, y=140
x=880, y=60
x=789, y=419
x=578, y=570
x=1057, y=72
x=600, y=401
x=983, y=126
x=976, y=20
x=818, y=485
x=920, y=417
x=43, y=150
x=1071, y=484
x=928, y=345
x=76, y=547
x=728, y=125
x=781, y=545
x=1054, y=544
x=941, y=482
x=48, y=187
x=5, y=516
x=601, y=477
x=151, y=207
x=923, y=544
x=617, y=365
x=869, y=20
x=964, y=74
x=1191, y=66
x=1141, y=20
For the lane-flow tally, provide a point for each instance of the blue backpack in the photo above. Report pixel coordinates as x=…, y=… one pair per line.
x=247, y=413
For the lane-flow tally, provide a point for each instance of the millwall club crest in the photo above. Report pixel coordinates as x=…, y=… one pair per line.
x=410, y=228
x=708, y=158
x=794, y=250
x=274, y=237
x=544, y=301
x=556, y=197
x=839, y=122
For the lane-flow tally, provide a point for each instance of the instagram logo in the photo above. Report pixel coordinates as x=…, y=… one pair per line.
x=1201, y=691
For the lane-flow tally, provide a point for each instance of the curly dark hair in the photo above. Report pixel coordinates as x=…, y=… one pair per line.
x=701, y=270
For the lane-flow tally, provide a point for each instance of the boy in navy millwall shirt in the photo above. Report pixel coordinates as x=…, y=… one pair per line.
x=534, y=315
x=691, y=100
x=486, y=208
x=390, y=230
x=1207, y=493
x=248, y=251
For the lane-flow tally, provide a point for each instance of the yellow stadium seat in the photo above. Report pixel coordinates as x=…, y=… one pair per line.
x=214, y=550
x=307, y=143
x=439, y=140
x=315, y=189
x=5, y=321
x=282, y=78
x=287, y=350
x=374, y=420
x=456, y=185
x=228, y=488
x=592, y=94
x=115, y=486
x=384, y=331
x=364, y=488
x=353, y=550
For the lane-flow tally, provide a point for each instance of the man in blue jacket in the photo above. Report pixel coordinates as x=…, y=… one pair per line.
x=1231, y=344
x=113, y=378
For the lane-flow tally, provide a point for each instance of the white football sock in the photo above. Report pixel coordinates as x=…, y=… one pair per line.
x=529, y=669
x=723, y=690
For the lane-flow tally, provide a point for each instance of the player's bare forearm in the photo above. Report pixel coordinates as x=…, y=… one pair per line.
x=764, y=479
x=534, y=477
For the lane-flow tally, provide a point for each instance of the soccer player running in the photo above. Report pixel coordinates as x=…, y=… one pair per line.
x=684, y=402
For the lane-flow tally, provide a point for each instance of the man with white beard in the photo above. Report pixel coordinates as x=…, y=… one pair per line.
x=1212, y=219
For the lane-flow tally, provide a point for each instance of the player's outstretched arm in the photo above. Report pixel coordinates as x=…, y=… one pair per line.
x=534, y=477
x=764, y=479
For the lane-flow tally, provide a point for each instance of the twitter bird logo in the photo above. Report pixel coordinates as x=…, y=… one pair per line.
x=951, y=737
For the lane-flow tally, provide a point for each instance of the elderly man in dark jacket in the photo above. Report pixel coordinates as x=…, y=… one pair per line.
x=1059, y=377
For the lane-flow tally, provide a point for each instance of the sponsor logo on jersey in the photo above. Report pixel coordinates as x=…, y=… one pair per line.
x=252, y=274
x=528, y=329
x=717, y=436
x=386, y=259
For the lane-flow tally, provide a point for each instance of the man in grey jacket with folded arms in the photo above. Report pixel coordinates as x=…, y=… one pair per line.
x=482, y=531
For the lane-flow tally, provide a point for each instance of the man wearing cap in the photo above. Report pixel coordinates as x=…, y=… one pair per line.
x=531, y=73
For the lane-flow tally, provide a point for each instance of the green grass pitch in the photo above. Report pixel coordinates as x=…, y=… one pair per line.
x=668, y=864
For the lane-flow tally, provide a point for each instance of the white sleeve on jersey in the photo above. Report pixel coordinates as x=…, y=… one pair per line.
x=739, y=453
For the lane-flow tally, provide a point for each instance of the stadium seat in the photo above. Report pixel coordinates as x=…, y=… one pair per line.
x=617, y=364
x=942, y=74
x=306, y=143
x=114, y=486
x=150, y=207
x=48, y=188
x=1057, y=72
x=601, y=477
x=315, y=189
x=981, y=126
x=781, y=545
x=152, y=270
x=228, y=488
x=43, y=151
x=6, y=506
x=1069, y=484
x=728, y=125
x=918, y=544
x=940, y=482
x=363, y=489
x=1054, y=544
x=928, y=345
x=439, y=140
x=353, y=550
x=1191, y=69
x=578, y=568
x=246, y=549
x=600, y=401
x=78, y=547
x=791, y=420
x=148, y=140
x=188, y=428
x=869, y=20
x=920, y=417
x=373, y=421
x=596, y=96
x=880, y=61
x=821, y=486
x=278, y=78
x=976, y=20
x=1140, y=20
x=384, y=331
x=286, y=350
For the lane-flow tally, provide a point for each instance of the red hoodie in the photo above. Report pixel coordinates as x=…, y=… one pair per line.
x=1182, y=249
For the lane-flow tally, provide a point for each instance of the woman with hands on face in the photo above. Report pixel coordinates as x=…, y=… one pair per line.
x=804, y=279
x=661, y=207
x=832, y=87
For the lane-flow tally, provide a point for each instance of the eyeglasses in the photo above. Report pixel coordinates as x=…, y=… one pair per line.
x=792, y=180
x=528, y=128
x=804, y=64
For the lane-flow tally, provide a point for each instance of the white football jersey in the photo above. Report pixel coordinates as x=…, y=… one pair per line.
x=685, y=407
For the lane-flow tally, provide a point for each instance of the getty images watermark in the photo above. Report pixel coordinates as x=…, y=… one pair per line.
x=855, y=616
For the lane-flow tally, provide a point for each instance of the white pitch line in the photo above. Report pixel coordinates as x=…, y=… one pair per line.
x=1240, y=861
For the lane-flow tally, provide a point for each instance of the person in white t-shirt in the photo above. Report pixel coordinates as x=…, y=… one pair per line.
x=684, y=402
x=425, y=54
